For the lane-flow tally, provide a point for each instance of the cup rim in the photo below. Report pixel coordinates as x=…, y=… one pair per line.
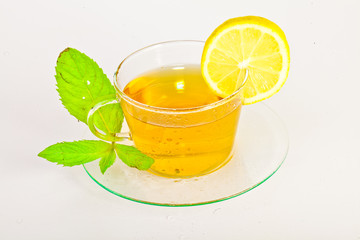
x=162, y=109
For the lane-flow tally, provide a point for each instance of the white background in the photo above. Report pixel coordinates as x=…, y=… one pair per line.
x=314, y=195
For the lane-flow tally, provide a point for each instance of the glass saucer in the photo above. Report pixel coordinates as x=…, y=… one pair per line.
x=260, y=149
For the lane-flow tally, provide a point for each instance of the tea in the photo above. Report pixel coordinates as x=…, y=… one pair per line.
x=188, y=140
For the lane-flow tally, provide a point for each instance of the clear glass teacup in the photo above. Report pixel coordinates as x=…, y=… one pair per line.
x=184, y=142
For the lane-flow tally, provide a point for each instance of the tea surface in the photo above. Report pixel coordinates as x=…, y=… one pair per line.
x=172, y=87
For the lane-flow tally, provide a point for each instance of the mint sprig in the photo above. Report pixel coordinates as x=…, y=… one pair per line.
x=81, y=83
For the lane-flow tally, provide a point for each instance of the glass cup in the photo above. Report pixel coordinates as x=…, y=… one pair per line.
x=184, y=142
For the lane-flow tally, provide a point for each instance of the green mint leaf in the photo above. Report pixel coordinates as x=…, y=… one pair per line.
x=76, y=153
x=133, y=157
x=107, y=161
x=112, y=115
x=81, y=84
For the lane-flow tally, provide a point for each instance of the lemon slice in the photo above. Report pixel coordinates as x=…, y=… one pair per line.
x=246, y=44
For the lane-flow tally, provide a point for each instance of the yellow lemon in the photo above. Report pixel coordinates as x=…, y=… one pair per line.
x=246, y=44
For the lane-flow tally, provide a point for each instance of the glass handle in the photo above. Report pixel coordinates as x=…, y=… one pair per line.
x=113, y=137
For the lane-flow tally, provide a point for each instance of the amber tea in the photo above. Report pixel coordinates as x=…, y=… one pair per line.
x=188, y=139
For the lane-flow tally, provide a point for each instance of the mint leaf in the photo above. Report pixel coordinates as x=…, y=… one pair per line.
x=112, y=115
x=133, y=157
x=107, y=161
x=76, y=153
x=81, y=84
